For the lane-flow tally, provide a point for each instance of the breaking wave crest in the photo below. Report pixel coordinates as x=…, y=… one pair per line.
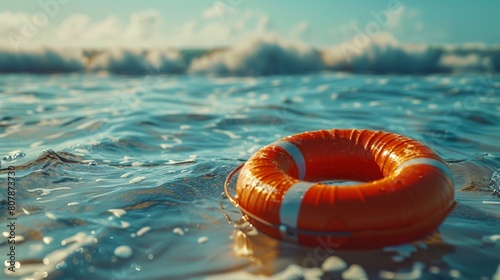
x=262, y=56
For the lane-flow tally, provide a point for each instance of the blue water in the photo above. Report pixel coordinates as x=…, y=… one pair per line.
x=121, y=177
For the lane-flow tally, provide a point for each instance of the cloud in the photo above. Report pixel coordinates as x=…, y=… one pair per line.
x=143, y=29
x=300, y=30
x=222, y=9
x=19, y=28
x=214, y=32
x=409, y=24
x=73, y=26
x=405, y=20
x=11, y=22
x=106, y=29
x=77, y=29
x=405, y=23
x=144, y=25
x=344, y=31
x=263, y=24
x=210, y=12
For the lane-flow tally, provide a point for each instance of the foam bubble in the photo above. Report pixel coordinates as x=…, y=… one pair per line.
x=137, y=179
x=333, y=263
x=202, y=239
x=455, y=273
x=491, y=239
x=491, y=202
x=51, y=216
x=434, y=269
x=126, y=175
x=415, y=273
x=355, y=271
x=124, y=224
x=143, y=231
x=228, y=133
x=117, y=212
x=294, y=271
x=81, y=151
x=48, y=191
x=123, y=252
x=47, y=239
x=178, y=231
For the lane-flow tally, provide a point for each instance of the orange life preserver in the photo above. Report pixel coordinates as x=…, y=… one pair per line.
x=407, y=189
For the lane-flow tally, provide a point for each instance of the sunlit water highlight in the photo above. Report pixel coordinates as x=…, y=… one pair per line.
x=121, y=177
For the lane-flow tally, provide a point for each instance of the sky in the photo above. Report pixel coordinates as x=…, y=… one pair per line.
x=215, y=23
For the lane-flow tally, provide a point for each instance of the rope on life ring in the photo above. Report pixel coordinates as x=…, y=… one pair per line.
x=406, y=190
x=234, y=202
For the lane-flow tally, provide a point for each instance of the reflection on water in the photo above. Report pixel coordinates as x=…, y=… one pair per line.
x=422, y=259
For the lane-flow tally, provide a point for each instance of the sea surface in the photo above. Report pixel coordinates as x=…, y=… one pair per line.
x=120, y=175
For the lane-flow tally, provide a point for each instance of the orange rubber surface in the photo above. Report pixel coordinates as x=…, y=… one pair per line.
x=405, y=194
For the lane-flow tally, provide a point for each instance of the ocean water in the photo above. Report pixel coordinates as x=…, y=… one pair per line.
x=119, y=169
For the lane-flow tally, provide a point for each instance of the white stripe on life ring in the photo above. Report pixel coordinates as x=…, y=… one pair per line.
x=290, y=208
x=295, y=153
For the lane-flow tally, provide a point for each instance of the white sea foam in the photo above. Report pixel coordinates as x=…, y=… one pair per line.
x=355, y=271
x=261, y=56
x=137, y=179
x=136, y=62
x=117, y=212
x=333, y=263
x=123, y=251
x=48, y=265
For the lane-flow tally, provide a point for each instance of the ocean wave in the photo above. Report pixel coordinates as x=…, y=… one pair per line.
x=136, y=62
x=384, y=54
x=266, y=56
x=263, y=56
x=43, y=60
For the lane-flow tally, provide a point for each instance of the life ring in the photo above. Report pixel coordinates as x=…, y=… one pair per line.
x=406, y=190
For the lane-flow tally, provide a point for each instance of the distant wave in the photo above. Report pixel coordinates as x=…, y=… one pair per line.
x=385, y=55
x=41, y=61
x=135, y=62
x=263, y=56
